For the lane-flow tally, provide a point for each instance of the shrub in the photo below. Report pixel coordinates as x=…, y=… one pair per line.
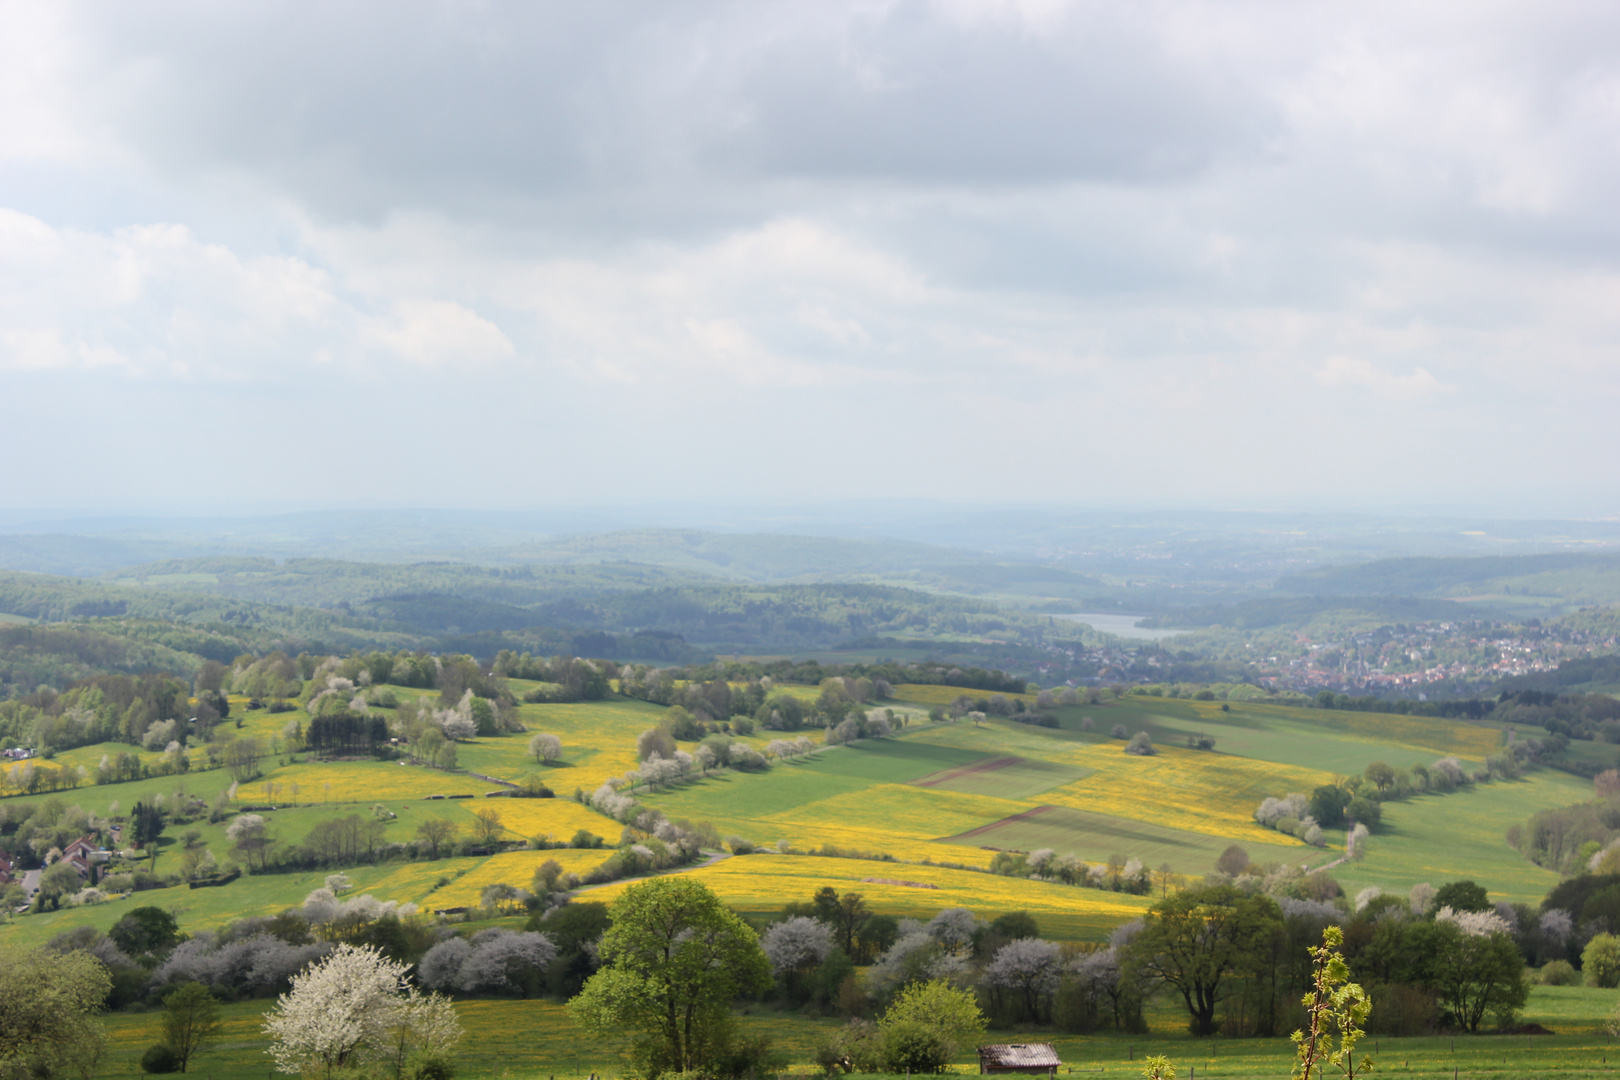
x=912, y=1046
x=1559, y=973
x=1141, y=743
x=1118, y=731
x=425, y=1066
x=1600, y=961
x=1365, y=811
x=159, y=1059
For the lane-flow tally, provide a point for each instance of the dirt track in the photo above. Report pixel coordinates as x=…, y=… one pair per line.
x=993, y=764
x=982, y=829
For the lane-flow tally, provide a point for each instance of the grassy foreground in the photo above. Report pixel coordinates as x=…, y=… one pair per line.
x=532, y=1039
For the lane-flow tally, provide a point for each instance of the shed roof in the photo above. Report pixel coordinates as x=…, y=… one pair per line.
x=1020, y=1055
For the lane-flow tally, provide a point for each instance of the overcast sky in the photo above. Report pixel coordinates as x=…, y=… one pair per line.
x=492, y=255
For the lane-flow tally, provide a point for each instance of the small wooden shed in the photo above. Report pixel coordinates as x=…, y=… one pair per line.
x=1031, y=1058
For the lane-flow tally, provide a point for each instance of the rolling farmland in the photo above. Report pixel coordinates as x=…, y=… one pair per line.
x=761, y=884
x=927, y=810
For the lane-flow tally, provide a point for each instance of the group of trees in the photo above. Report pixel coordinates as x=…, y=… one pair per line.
x=813, y=673
x=668, y=961
x=1119, y=874
x=760, y=701
x=674, y=960
x=1583, y=838
x=104, y=708
x=1567, y=715
x=1008, y=971
x=1236, y=961
x=566, y=678
x=1355, y=800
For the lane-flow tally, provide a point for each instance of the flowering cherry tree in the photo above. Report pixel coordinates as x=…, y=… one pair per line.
x=354, y=1000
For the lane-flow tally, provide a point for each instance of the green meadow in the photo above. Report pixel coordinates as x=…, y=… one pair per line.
x=1439, y=838
x=527, y=1040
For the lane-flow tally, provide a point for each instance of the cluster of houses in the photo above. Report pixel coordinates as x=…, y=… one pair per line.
x=82, y=855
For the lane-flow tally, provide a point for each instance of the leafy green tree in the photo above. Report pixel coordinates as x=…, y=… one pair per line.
x=1328, y=803
x=436, y=832
x=59, y=879
x=573, y=928
x=1600, y=961
x=1462, y=896
x=146, y=824
x=190, y=1021
x=846, y=914
x=673, y=960
x=1014, y=925
x=487, y=827
x=1364, y=811
x=47, y=1004
x=1233, y=861
x=483, y=714
x=1381, y=775
x=927, y=1024
x=1199, y=941
x=1477, y=975
x=146, y=931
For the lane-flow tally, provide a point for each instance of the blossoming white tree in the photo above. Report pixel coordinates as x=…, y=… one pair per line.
x=546, y=748
x=355, y=1000
x=796, y=945
x=1028, y=970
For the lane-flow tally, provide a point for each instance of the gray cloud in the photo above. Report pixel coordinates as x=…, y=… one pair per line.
x=1041, y=248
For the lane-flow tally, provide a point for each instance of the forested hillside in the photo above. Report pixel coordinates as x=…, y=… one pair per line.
x=171, y=616
x=1578, y=577
x=436, y=599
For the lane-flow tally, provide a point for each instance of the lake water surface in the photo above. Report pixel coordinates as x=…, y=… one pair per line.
x=1119, y=625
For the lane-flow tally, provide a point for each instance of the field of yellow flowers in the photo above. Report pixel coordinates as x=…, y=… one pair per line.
x=763, y=883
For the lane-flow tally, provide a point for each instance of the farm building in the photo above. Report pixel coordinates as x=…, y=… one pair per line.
x=1019, y=1058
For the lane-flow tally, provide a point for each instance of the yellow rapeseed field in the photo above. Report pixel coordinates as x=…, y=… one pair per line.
x=766, y=882
x=1214, y=794
x=599, y=743
x=896, y=819
x=802, y=837
x=557, y=819
x=417, y=882
x=1184, y=789
x=512, y=868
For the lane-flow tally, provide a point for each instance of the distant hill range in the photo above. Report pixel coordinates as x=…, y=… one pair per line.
x=1574, y=578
